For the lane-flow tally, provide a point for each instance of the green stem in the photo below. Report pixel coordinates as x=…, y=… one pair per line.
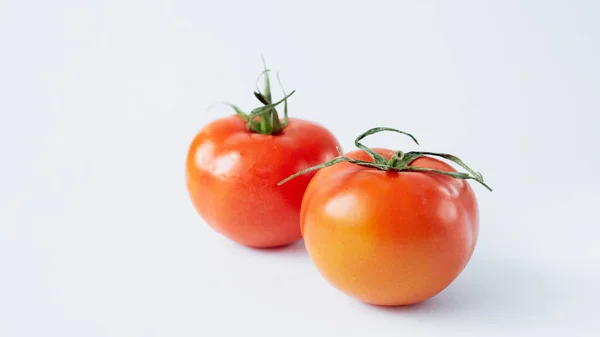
x=285, y=105
x=269, y=118
x=267, y=91
x=265, y=119
x=265, y=124
x=399, y=162
x=396, y=159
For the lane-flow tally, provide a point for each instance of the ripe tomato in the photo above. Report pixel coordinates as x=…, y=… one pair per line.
x=233, y=166
x=389, y=236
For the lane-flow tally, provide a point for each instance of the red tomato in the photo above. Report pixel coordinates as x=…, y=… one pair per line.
x=232, y=172
x=389, y=237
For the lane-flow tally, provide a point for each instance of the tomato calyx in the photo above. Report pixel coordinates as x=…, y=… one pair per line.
x=399, y=162
x=265, y=119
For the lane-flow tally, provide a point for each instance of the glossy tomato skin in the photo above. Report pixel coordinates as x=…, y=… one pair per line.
x=232, y=177
x=389, y=238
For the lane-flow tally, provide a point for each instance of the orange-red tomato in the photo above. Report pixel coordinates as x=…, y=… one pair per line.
x=232, y=176
x=385, y=237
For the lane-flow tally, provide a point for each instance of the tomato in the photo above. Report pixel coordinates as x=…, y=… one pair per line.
x=233, y=166
x=390, y=236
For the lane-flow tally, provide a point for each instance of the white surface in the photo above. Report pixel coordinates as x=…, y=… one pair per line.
x=99, y=100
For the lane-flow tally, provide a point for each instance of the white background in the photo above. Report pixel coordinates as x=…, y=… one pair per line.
x=100, y=99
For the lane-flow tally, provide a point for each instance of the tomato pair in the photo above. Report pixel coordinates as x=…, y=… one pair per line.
x=383, y=226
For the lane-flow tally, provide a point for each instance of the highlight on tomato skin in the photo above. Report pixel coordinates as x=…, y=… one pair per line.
x=234, y=163
x=390, y=227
